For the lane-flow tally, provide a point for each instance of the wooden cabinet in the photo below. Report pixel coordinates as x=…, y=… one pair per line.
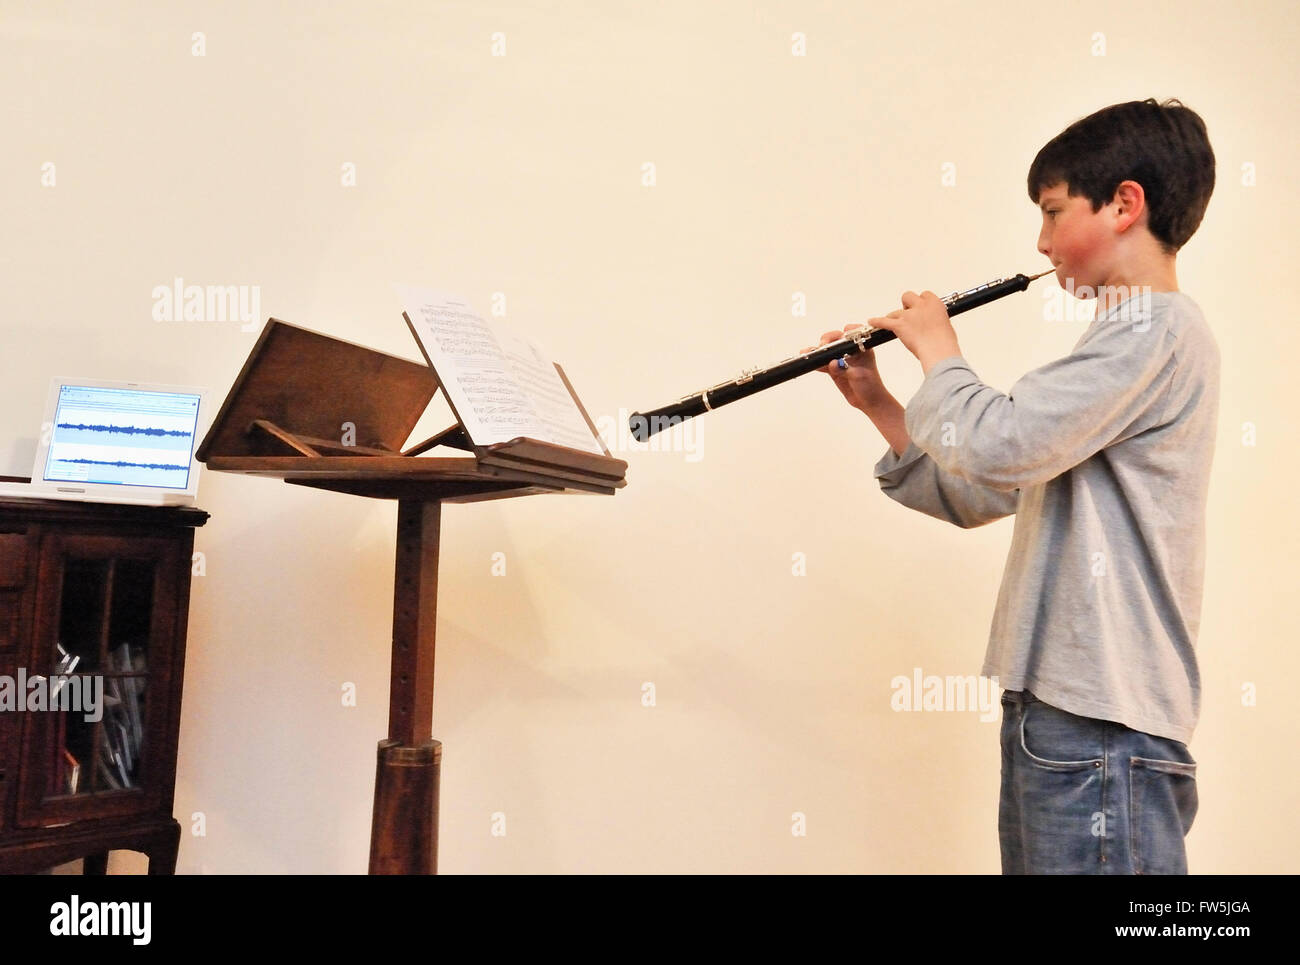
x=94, y=602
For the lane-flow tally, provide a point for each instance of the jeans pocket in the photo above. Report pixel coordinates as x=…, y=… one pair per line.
x=1060, y=741
x=1162, y=806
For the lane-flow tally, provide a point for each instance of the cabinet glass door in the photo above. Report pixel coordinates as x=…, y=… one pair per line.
x=102, y=639
x=101, y=656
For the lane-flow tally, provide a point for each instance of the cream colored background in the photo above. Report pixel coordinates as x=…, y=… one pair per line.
x=521, y=174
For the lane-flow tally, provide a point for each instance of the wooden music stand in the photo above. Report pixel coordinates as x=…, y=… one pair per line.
x=285, y=418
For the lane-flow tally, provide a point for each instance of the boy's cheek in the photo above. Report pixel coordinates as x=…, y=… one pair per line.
x=1077, y=249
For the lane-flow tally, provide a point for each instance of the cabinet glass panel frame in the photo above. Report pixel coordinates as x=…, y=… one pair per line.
x=79, y=575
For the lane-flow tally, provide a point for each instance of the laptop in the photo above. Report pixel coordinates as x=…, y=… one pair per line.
x=117, y=442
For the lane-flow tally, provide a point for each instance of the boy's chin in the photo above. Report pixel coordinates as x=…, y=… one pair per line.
x=1081, y=290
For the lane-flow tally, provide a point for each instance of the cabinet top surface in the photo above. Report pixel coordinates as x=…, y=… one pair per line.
x=73, y=509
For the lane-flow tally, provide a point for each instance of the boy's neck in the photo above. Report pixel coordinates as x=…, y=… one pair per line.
x=1152, y=271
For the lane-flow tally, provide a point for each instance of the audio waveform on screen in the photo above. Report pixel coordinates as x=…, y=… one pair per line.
x=127, y=430
x=129, y=465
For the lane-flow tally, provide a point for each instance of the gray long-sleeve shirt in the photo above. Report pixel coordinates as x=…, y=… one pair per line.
x=1104, y=458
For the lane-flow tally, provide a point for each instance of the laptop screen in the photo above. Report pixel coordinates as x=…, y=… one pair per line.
x=125, y=437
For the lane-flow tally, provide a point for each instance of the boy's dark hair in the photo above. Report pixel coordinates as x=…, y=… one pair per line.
x=1162, y=147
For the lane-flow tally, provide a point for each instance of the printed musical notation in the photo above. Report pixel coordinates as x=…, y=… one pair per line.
x=500, y=384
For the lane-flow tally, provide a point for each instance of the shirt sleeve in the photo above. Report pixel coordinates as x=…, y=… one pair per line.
x=916, y=481
x=1054, y=417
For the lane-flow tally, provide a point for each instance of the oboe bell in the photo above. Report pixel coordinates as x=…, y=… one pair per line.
x=645, y=424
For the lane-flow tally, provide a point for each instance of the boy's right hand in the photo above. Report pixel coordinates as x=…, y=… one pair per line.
x=860, y=383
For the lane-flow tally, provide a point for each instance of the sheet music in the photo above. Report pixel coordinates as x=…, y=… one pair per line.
x=501, y=384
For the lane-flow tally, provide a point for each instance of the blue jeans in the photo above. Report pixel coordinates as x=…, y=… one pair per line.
x=1088, y=796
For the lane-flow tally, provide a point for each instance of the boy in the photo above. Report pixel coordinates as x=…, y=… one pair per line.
x=1104, y=457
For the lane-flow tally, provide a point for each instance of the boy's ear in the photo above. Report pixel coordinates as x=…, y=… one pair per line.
x=1130, y=203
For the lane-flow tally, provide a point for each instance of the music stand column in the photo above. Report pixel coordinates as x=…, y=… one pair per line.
x=404, y=825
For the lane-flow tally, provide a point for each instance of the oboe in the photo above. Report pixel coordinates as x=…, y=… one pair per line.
x=645, y=424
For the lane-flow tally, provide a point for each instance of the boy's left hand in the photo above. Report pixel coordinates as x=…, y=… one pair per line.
x=923, y=326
